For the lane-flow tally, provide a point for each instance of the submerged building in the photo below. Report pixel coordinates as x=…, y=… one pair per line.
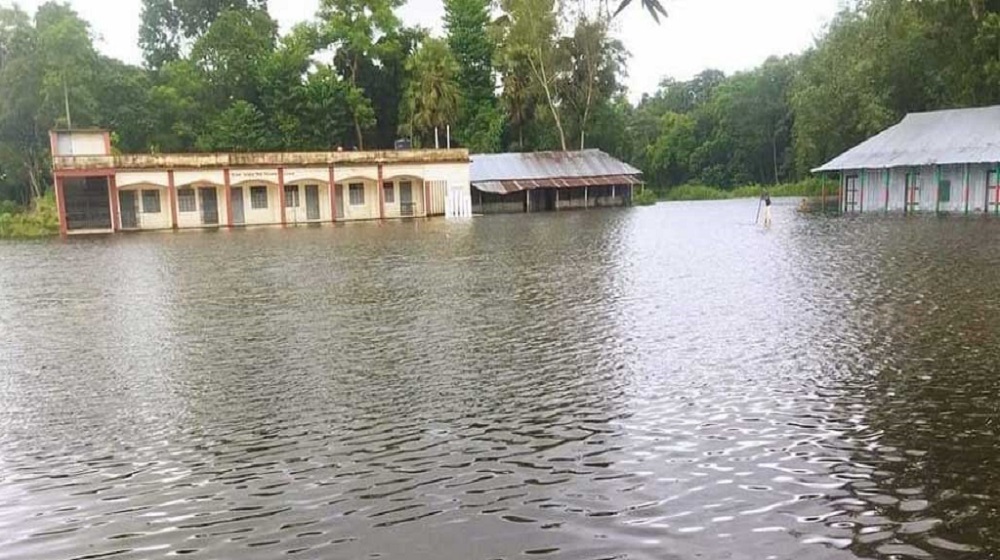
x=941, y=161
x=546, y=181
x=98, y=191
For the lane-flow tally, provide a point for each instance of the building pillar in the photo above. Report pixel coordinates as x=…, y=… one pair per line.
x=822, y=192
x=861, y=202
x=937, y=190
x=113, y=191
x=527, y=201
x=996, y=207
x=557, y=200
x=61, y=206
x=842, y=197
x=381, y=195
x=172, y=196
x=281, y=195
x=227, y=194
x=333, y=196
x=888, y=183
x=966, y=187
x=425, y=190
x=586, y=197
x=613, y=195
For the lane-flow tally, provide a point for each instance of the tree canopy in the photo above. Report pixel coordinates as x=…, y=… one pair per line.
x=516, y=75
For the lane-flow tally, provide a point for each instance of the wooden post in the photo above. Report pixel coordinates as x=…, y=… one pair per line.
x=586, y=197
x=333, y=196
x=113, y=191
x=281, y=195
x=172, y=195
x=557, y=200
x=937, y=191
x=996, y=207
x=228, y=195
x=426, y=190
x=381, y=195
x=527, y=201
x=822, y=192
x=861, y=203
x=966, y=185
x=842, y=195
x=887, y=181
x=61, y=205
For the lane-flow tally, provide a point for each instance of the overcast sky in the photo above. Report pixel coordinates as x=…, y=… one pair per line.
x=730, y=35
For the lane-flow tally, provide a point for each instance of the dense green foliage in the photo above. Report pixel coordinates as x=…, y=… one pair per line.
x=540, y=75
x=804, y=188
x=875, y=63
x=645, y=198
x=16, y=223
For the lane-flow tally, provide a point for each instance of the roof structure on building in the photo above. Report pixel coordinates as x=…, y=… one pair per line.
x=935, y=138
x=513, y=172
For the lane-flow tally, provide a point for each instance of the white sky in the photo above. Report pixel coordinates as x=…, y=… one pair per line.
x=730, y=35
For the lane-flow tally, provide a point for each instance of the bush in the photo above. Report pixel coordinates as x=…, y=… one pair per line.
x=645, y=198
x=807, y=188
x=696, y=192
x=42, y=221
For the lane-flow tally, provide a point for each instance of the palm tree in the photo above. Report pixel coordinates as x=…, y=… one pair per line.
x=432, y=98
x=654, y=7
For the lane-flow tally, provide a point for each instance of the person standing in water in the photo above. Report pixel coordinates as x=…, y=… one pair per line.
x=767, y=208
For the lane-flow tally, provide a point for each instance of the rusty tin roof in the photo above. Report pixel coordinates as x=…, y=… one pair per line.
x=512, y=172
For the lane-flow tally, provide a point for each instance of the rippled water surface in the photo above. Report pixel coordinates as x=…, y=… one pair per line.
x=648, y=383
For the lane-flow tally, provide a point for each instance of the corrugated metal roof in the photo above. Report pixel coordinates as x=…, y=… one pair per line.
x=512, y=186
x=546, y=166
x=935, y=138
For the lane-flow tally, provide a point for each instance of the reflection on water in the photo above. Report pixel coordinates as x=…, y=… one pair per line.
x=667, y=382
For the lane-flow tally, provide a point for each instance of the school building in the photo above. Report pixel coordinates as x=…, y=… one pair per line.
x=940, y=161
x=98, y=191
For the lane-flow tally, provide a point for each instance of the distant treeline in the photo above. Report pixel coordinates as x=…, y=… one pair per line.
x=218, y=76
x=874, y=64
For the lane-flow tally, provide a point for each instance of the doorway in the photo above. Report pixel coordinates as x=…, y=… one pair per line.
x=312, y=202
x=236, y=202
x=129, y=205
x=406, y=198
x=209, y=206
x=339, y=194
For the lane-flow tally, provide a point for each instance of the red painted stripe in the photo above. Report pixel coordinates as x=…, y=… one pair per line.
x=61, y=205
x=333, y=196
x=113, y=191
x=228, y=193
x=281, y=195
x=381, y=195
x=172, y=194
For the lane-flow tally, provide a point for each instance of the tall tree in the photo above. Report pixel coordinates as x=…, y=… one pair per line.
x=353, y=28
x=168, y=27
x=467, y=23
x=595, y=64
x=518, y=100
x=529, y=41
x=432, y=94
x=232, y=52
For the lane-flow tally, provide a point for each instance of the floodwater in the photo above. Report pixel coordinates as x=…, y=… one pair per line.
x=646, y=383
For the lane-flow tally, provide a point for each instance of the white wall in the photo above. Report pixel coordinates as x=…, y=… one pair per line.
x=82, y=143
x=125, y=179
x=299, y=214
x=193, y=219
x=261, y=216
x=158, y=220
x=394, y=209
x=369, y=210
